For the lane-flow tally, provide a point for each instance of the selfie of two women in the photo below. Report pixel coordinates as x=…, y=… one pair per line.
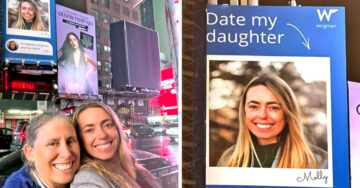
x=89, y=150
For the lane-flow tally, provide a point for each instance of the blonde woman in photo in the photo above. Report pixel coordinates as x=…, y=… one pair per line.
x=271, y=132
x=28, y=16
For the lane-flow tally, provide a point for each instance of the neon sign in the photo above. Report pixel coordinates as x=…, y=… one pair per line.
x=167, y=98
x=22, y=85
x=19, y=85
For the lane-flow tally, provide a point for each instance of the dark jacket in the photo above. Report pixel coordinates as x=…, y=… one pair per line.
x=20, y=178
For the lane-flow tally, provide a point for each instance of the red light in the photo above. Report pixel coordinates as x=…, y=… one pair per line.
x=167, y=127
x=6, y=81
x=22, y=136
x=167, y=74
x=22, y=85
x=127, y=128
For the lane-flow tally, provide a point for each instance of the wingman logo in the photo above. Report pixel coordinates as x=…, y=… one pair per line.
x=326, y=14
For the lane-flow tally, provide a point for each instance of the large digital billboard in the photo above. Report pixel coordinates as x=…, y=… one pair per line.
x=76, y=52
x=29, y=32
x=136, y=62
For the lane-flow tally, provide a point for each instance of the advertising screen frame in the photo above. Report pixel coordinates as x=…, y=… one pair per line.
x=77, y=69
x=37, y=45
x=240, y=33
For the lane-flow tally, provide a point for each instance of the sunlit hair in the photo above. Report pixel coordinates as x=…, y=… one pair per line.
x=32, y=130
x=294, y=149
x=127, y=168
x=66, y=52
x=37, y=23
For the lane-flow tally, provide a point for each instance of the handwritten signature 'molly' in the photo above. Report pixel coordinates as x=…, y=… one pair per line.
x=310, y=177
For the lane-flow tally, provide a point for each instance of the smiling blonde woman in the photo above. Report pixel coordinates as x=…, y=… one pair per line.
x=28, y=17
x=106, y=158
x=271, y=132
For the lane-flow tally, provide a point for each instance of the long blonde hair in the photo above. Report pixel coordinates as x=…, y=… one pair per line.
x=127, y=169
x=37, y=23
x=294, y=148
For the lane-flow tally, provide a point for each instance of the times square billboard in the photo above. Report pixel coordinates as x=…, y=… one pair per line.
x=168, y=98
x=76, y=52
x=29, y=32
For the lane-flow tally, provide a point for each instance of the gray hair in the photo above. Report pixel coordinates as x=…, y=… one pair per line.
x=33, y=128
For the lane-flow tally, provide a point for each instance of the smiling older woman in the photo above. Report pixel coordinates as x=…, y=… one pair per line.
x=52, y=154
x=271, y=132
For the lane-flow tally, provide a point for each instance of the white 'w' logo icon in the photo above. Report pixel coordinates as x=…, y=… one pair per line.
x=326, y=14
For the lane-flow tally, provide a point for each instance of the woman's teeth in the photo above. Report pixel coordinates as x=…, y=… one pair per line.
x=63, y=166
x=103, y=146
x=263, y=126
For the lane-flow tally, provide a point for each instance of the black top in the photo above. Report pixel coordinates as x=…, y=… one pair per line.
x=28, y=25
x=266, y=154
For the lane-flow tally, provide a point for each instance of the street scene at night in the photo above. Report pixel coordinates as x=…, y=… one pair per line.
x=90, y=89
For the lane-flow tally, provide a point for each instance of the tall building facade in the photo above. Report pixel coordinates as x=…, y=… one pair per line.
x=106, y=12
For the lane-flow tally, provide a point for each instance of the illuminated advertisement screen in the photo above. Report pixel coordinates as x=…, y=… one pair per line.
x=137, y=56
x=168, y=100
x=29, y=32
x=354, y=121
x=76, y=52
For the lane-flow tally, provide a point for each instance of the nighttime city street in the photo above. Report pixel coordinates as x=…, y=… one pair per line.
x=106, y=67
x=159, y=145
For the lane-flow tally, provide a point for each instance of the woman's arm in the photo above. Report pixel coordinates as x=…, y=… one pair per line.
x=89, y=59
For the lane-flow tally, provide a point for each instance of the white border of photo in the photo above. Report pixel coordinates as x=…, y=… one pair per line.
x=275, y=176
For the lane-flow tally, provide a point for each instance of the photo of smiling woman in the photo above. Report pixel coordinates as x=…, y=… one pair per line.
x=28, y=17
x=268, y=112
x=74, y=68
x=106, y=160
x=51, y=154
x=271, y=132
